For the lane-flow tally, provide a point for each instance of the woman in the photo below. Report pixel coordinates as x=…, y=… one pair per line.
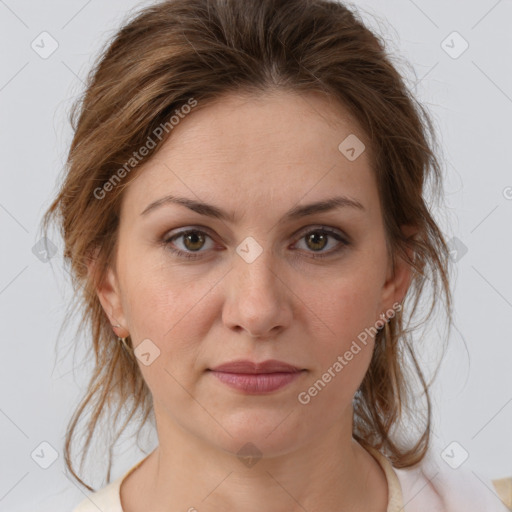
x=244, y=209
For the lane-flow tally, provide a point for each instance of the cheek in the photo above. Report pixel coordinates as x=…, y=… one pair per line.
x=165, y=310
x=172, y=316
x=341, y=321
x=157, y=293
x=346, y=304
x=173, y=308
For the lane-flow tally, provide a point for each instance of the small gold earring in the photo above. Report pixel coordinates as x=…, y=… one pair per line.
x=125, y=345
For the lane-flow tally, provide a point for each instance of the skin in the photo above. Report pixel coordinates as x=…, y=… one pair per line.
x=256, y=157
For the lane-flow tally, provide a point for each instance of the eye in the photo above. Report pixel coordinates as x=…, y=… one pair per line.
x=192, y=239
x=317, y=239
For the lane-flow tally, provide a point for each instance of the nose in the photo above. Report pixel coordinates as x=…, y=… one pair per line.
x=258, y=298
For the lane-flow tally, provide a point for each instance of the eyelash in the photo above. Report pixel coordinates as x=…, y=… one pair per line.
x=326, y=231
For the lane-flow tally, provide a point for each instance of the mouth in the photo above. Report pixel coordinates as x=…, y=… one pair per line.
x=257, y=378
x=257, y=383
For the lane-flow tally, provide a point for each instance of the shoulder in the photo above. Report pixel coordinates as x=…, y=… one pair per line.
x=504, y=488
x=106, y=499
x=433, y=486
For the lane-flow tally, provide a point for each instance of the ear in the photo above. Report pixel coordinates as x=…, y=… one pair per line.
x=399, y=280
x=109, y=295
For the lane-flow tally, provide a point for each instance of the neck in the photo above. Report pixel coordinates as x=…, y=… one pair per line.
x=332, y=472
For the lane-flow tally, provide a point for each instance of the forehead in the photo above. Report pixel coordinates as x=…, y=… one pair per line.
x=244, y=149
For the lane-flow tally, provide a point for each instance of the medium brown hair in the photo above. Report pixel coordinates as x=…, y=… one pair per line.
x=176, y=50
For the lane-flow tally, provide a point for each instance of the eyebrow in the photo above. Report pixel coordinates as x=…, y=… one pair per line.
x=296, y=212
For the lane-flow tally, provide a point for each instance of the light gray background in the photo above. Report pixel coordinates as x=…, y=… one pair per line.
x=470, y=98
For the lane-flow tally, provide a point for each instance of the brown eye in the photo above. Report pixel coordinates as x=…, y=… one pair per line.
x=192, y=241
x=317, y=240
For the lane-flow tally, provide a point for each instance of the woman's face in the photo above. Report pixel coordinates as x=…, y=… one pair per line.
x=269, y=280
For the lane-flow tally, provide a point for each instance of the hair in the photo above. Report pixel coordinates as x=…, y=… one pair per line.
x=175, y=50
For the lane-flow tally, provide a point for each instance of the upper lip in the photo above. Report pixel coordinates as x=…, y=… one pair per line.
x=246, y=366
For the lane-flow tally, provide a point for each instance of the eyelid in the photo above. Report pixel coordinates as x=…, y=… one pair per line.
x=322, y=227
x=172, y=233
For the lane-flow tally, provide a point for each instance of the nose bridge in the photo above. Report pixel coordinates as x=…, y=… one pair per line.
x=255, y=266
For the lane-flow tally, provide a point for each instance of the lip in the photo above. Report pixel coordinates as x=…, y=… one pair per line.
x=259, y=383
x=256, y=378
x=251, y=367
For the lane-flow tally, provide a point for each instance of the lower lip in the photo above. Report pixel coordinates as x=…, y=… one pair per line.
x=256, y=383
